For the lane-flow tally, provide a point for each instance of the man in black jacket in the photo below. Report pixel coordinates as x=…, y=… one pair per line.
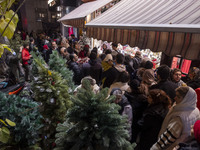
x=93, y=68
x=163, y=74
x=73, y=65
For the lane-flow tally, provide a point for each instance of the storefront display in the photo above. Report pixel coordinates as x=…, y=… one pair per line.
x=155, y=57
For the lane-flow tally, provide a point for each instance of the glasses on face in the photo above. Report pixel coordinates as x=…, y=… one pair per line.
x=177, y=74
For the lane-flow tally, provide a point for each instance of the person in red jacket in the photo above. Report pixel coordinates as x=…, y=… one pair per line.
x=25, y=58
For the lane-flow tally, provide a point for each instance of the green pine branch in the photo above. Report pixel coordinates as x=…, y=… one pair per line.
x=52, y=91
x=58, y=64
x=93, y=123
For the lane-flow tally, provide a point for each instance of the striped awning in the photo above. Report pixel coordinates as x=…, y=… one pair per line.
x=76, y=17
x=169, y=26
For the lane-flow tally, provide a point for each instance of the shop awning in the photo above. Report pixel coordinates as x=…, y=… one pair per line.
x=169, y=26
x=76, y=17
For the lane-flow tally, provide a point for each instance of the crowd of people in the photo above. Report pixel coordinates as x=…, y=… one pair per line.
x=161, y=104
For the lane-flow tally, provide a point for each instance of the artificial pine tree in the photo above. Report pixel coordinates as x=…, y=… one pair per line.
x=25, y=114
x=58, y=64
x=52, y=91
x=93, y=123
x=17, y=42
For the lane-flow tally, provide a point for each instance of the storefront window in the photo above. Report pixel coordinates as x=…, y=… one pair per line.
x=183, y=64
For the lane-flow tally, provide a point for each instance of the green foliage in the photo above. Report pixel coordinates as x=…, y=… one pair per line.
x=4, y=131
x=16, y=42
x=5, y=18
x=26, y=115
x=58, y=64
x=52, y=91
x=93, y=123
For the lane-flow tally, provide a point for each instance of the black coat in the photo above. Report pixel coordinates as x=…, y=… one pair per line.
x=77, y=72
x=150, y=125
x=138, y=103
x=194, y=83
x=111, y=75
x=167, y=86
x=93, y=69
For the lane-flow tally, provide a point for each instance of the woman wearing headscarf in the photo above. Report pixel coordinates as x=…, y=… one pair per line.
x=148, y=80
x=177, y=124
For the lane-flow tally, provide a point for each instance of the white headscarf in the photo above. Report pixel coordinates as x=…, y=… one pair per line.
x=188, y=102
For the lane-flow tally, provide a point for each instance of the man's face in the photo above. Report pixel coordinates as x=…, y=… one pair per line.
x=54, y=45
x=177, y=76
x=64, y=52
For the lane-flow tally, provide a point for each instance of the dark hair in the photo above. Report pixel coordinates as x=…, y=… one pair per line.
x=108, y=51
x=31, y=39
x=70, y=50
x=114, y=44
x=93, y=56
x=103, y=56
x=65, y=50
x=182, y=90
x=148, y=65
x=26, y=44
x=71, y=57
x=159, y=96
x=124, y=77
x=127, y=60
x=120, y=58
x=176, y=70
x=164, y=72
x=94, y=51
x=134, y=84
x=72, y=35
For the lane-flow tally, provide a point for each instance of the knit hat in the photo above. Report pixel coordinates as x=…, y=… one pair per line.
x=108, y=57
x=197, y=130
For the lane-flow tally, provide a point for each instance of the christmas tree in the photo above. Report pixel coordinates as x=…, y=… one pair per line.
x=25, y=114
x=58, y=64
x=52, y=91
x=93, y=123
x=17, y=42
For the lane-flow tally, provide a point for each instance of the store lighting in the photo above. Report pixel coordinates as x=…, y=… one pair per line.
x=49, y=1
x=58, y=8
x=59, y=15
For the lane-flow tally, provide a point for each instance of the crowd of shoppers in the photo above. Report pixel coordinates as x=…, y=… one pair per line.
x=160, y=104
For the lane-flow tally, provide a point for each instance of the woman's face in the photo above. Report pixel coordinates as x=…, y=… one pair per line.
x=177, y=76
x=178, y=98
x=104, y=46
x=118, y=99
x=191, y=75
